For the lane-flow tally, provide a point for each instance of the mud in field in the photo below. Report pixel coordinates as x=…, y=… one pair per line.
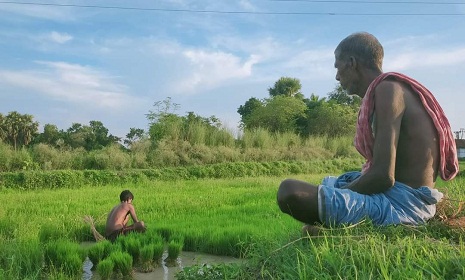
x=165, y=272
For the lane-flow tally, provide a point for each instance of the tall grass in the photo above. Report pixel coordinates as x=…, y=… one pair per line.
x=21, y=259
x=196, y=144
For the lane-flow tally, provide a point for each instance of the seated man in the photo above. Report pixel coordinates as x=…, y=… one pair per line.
x=403, y=134
x=119, y=216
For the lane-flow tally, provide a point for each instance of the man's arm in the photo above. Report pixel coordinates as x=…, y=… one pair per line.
x=389, y=110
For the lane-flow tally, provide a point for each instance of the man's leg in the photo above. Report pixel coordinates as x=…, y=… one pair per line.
x=299, y=199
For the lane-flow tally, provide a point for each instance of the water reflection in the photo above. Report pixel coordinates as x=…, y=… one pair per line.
x=166, y=272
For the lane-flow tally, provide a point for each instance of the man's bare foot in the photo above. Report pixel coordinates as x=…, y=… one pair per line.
x=309, y=230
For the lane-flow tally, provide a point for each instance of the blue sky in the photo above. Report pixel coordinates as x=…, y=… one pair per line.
x=68, y=64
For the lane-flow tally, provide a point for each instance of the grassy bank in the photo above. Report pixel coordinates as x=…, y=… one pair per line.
x=237, y=217
x=56, y=179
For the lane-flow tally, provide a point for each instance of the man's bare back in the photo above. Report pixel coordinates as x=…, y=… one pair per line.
x=417, y=155
x=418, y=148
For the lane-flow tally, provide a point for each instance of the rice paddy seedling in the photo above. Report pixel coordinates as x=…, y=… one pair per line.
x=146, y=258
x=49, y=233
x=150, y=236
x=158, y=250
x=176, y=237
x=96, y=253
x=65, y=256
x=174, y=250
x=8, y=229
x=146, y=253
x=105, y=269
x=122, y=262
x=131, y=244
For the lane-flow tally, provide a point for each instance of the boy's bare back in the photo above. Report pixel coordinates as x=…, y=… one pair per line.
x=116, y=217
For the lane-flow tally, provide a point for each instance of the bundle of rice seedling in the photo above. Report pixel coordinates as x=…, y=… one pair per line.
x=91, y=222
x=449, y=210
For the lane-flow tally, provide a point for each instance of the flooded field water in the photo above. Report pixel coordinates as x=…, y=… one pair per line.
x=165, y=272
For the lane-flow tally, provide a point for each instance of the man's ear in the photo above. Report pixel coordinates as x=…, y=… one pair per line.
x=353, y=62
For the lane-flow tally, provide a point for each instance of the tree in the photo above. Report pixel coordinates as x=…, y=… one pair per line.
x=279, y=114
x=286, y=86
x=18, y=130
x=248, y=108
x=50, y=136
x=101, y=138
x=134, y=135
x=331, y=119
x=163, y=108
x=163, y=121
x=92, y=137
x=340, y=96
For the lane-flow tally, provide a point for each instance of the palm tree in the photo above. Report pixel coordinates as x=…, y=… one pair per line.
x=18, y=129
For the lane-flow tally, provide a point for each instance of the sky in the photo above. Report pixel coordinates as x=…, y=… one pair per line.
x=68, y=62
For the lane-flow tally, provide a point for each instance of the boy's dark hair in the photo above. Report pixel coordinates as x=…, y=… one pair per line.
x=126, y=195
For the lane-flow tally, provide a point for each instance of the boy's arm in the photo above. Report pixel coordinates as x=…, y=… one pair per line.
x=132, y=212
x=126, y=219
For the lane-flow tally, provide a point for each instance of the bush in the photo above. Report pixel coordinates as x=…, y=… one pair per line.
x=50, y=158
x=6, y=155
x=74, y=179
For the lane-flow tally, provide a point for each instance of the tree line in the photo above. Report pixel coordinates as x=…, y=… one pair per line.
x=283, y=126
x=286, y=109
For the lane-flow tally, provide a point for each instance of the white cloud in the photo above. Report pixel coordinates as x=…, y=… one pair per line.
x=426, y=58
x=59, y=38
x=317, y=63
x=247, y=5
x=38, y=11
x=71, y=83
x=211, y=69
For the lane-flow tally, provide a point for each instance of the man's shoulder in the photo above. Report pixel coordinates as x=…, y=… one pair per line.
x=391, y=86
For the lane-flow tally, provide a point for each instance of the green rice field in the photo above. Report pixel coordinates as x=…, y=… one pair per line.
x=231, y=217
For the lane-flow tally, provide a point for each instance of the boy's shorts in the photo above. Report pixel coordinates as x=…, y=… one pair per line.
x=400, y=204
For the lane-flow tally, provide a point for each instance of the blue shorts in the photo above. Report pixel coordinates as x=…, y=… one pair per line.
x=400, y=204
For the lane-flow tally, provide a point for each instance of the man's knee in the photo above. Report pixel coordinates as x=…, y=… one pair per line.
x=286, y=193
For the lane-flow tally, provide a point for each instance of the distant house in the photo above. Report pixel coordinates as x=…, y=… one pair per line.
x=460, y=143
